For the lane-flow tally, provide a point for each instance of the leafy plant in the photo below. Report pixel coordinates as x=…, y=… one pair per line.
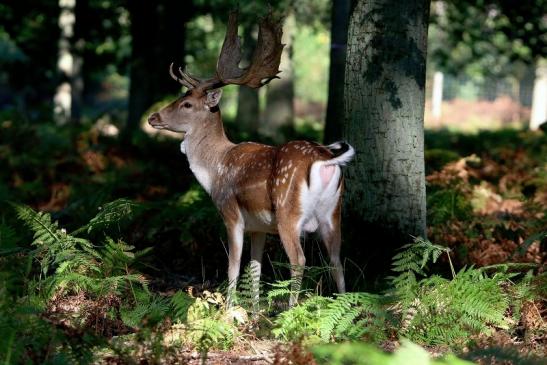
x=208, y=323
x=360, y=353
x=431, y=310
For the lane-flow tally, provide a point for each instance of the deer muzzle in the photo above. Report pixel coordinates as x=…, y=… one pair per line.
x=155, y=121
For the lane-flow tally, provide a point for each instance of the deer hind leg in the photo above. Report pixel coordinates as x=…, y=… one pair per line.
x=235, y=243
x=329, y=227
x=257, y=249
x=289, y=232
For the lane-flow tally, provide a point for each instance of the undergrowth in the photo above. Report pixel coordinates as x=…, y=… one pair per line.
x=430, y=310
x=70, y=296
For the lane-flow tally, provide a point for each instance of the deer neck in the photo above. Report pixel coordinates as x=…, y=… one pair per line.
x=206, y=149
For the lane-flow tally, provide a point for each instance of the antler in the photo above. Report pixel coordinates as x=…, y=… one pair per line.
x=186, y=80
x=264, y=64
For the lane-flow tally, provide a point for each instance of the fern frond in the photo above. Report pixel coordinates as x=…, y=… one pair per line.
x=8, y=240
x=148, y=308
x=180, y=303
x=111, y=214
x=45, y=231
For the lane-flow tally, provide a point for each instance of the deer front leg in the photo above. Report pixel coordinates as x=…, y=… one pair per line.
x=235, y=243
x=290, y=237
x=258, y=240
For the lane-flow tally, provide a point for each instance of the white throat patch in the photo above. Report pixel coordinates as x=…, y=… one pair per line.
x=202, y=175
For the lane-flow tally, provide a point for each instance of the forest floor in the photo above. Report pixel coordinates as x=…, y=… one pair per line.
x=112, y=300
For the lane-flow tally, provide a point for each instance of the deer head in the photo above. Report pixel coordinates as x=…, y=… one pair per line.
x=202, y=98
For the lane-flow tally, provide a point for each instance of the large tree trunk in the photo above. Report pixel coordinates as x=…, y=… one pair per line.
x=247, y=99
x=384, y=109
x=338, y=43
x=158, y=34
x=278, y=114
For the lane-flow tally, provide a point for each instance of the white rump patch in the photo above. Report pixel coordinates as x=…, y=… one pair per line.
x=319, y=200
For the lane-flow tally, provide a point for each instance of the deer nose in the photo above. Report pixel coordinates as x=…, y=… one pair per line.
x=154, y=118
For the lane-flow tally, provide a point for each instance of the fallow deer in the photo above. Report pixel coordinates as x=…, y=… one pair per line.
x=289, y=189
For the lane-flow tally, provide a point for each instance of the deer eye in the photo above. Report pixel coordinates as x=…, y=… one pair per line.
x=187, y=105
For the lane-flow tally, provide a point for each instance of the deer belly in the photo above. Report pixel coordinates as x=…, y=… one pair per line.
x=260, y=221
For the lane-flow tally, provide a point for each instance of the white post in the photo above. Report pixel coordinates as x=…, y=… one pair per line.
x=539, y=97
x=437, y=97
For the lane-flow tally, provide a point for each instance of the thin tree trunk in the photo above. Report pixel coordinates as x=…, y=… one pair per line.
x=278, y=117
x=144, y=23
x=158, y=34
x=539, y=98
x=437, y=98
x=384, y=110
x=81, y=26
x=339, y=38
x=247, y=99
x=63, y=96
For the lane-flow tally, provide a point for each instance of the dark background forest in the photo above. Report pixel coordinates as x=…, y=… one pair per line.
x=111, y=252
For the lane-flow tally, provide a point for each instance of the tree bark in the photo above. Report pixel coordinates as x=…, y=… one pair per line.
x=278, y=115
x=247, y=99
x=339, y=38
x=539, y=97
x=81, y=11
x=158, y=34
x=63, y=102
x=384, y=110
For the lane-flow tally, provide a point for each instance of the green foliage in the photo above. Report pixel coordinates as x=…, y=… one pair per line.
x=486, y=38
x=450, y=311
x=353, y=316
x=180, y=303
x=197, y=210
x=8, y=240
x=281, y=289
x=503, y=355
x=349, y=316
x=359, y=353
x=447, y=204
x=249, y=293
x=430, y=310
x=411, y=261
x=76, y=263
x=209, y=324
x=435, y=310
x=57, y=250
x=437, y=158
x=147, y=310
x=303, y=320
x=114, y=213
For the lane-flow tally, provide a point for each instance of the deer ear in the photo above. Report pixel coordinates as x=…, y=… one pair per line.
x=213, y=97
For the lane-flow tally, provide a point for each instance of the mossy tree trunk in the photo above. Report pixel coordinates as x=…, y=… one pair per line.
x=384, y=108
